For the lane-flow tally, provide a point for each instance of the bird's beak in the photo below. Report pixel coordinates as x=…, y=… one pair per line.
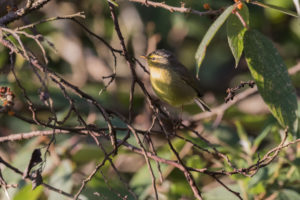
x=144, y=57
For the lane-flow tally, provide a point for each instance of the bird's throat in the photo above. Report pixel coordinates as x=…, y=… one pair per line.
x=160, y=74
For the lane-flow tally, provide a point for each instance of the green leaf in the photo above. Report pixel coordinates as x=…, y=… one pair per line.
x=236, y=31
x=27, y=193
x=258, y=188
x=280, y=9
x=271, y=77
x=210, y=34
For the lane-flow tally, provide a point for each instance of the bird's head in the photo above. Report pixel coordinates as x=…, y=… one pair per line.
x=159, y=57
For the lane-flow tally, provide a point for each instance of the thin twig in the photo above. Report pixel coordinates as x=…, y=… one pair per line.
x=32, y=25
x=181, y=9
x=12, y=16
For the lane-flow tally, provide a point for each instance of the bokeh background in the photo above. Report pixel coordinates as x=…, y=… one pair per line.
x=84, y=61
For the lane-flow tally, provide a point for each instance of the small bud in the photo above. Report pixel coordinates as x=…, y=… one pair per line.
x=240, y=6
x=206, y=6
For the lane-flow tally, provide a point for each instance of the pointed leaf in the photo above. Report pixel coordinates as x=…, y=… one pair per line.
x=113, y=2
x=280, y=9
x=210, y=34
x=271, y=77
x=236, y=31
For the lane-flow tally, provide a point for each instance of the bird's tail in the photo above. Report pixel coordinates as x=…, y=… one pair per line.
x=202, y=104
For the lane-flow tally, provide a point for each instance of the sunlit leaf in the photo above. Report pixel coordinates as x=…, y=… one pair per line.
x=113, y=2
x=236, y=31
x=272, y=79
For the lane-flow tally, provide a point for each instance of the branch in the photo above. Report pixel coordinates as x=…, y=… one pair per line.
x=181, y=9
x=60, y=81
x=22, y=136
x=12, y=16
x=72, y=16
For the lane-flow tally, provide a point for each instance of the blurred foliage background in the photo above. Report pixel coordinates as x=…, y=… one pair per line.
x=246, y=131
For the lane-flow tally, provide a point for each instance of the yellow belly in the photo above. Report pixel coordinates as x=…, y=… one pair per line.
x=170, y=87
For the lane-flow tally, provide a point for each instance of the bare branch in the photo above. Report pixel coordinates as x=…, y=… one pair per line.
x=181, y=9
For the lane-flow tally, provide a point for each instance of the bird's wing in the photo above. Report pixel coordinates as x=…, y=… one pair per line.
x=188, y=77
x=191, y=81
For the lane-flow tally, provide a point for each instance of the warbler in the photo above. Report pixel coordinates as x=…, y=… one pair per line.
x=171, y=80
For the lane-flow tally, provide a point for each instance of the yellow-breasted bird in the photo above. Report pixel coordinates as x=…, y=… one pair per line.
x=171, y=80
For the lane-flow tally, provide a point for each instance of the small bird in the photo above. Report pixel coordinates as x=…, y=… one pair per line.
x=171, y=80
